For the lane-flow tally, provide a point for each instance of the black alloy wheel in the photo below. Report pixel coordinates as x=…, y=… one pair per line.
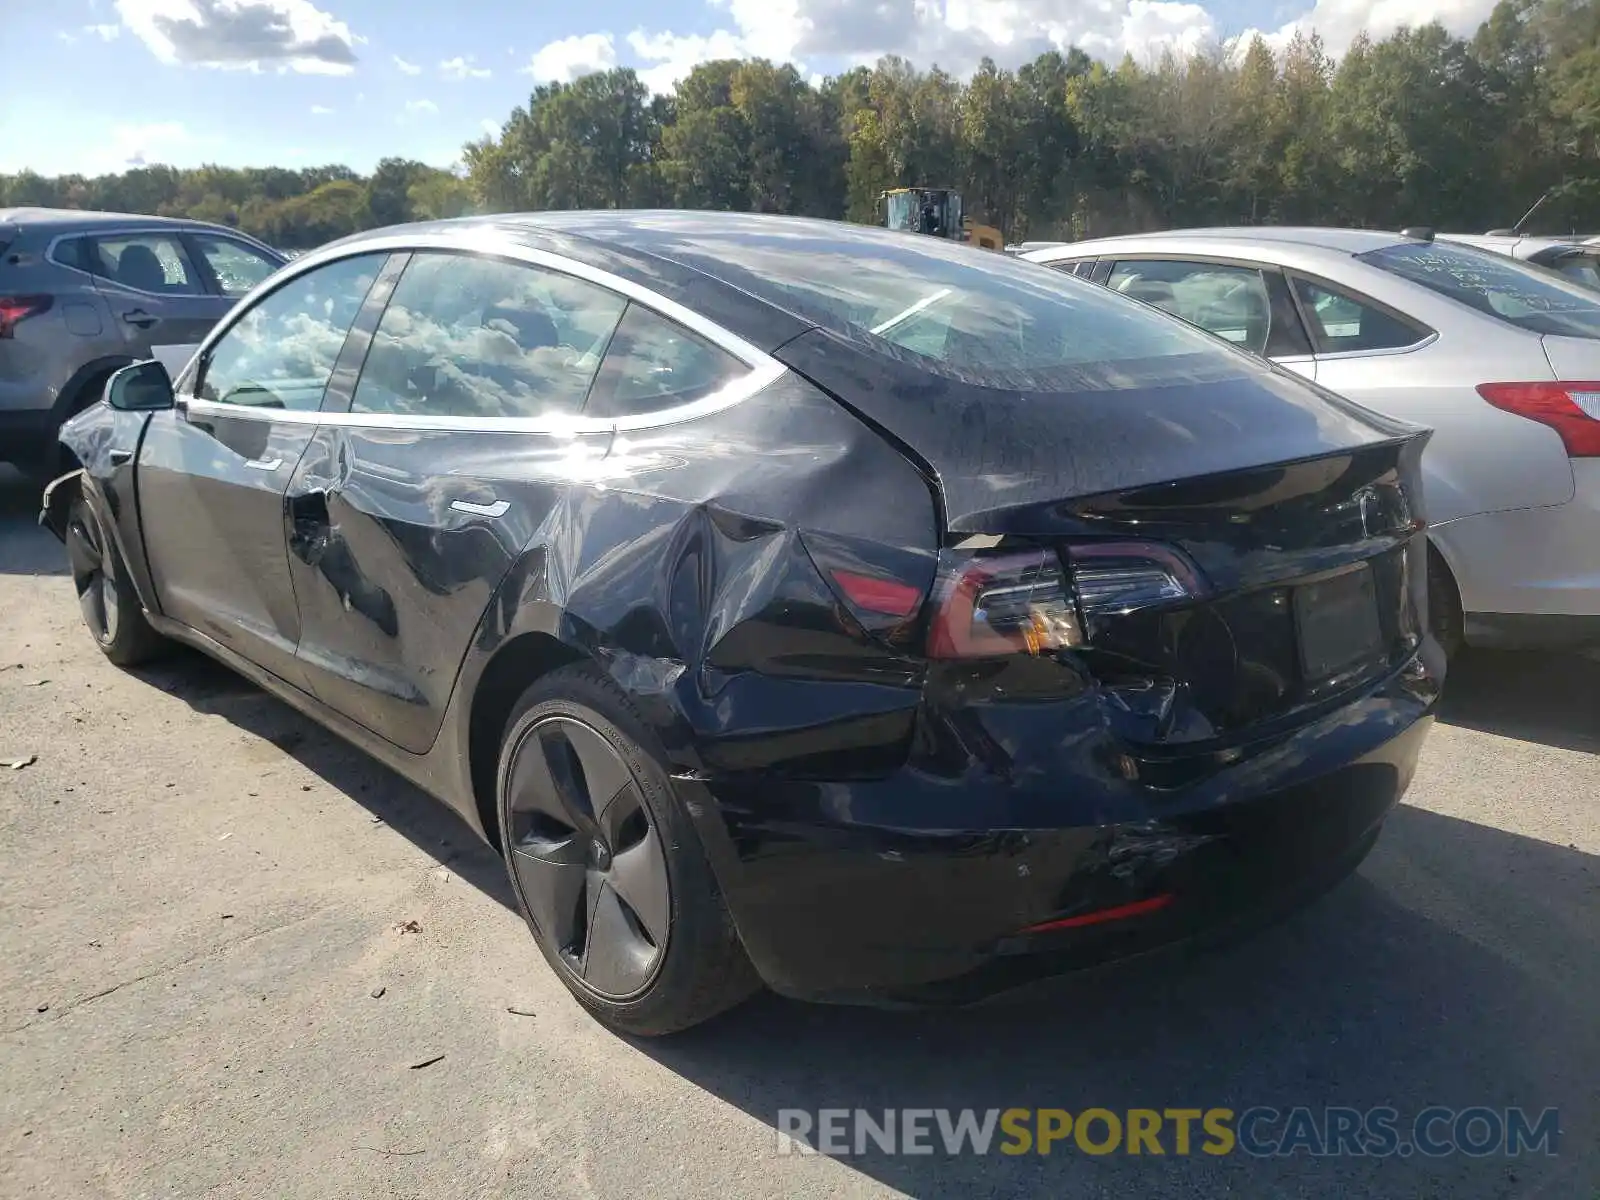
x=110, y=608
x=607, y=866
x=587, y=857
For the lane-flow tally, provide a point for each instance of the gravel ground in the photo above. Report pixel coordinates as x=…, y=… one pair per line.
x=228, y=942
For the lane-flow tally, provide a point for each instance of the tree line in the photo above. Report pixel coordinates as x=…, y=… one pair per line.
x=1417, y=128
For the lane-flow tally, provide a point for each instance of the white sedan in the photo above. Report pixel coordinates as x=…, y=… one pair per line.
x=1497, y=357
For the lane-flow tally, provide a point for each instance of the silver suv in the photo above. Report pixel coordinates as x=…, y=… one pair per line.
x=83, y=293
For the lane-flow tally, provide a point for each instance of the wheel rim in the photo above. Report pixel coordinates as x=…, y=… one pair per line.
x=587, y=857
x=93, y=575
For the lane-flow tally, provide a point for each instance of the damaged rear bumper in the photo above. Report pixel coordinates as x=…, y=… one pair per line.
x=869, y=892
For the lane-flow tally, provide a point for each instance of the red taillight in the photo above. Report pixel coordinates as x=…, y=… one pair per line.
x=886, y=596
x=998, y=604
x=18, y=308
x=1571, y=409
x=1101, y=915
x=1029, y=601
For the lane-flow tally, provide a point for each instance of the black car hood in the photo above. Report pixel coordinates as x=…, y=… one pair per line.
x=1000, y=455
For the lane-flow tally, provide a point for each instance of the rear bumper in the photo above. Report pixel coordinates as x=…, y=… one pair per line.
x=835, y=903
x=1512, y=567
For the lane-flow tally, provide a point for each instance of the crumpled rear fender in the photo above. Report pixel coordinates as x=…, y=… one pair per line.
x=691, y=578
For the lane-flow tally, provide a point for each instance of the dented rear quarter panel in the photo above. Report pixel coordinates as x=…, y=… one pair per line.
x=679, y=563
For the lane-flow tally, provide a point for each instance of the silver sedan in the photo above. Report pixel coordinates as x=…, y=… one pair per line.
x=1496, y=356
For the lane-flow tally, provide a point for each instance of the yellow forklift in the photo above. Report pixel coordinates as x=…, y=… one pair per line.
x=935, y=212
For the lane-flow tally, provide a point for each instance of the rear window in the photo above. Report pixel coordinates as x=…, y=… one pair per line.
x=1580, y=266
x=1530, y=298
x=981, y=316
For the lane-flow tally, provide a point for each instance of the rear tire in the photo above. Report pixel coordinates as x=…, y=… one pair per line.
x=608, y=869
x=111, y=608
x=1445, y=619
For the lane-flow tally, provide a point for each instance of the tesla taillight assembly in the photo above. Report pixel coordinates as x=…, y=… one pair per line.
x=993, y=604
x=14, y=309
x=1571, y=409
x=1037, y=602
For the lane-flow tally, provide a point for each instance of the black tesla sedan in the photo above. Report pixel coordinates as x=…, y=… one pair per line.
x=790, y=602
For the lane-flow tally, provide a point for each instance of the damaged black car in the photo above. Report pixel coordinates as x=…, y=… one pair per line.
x=791, y=603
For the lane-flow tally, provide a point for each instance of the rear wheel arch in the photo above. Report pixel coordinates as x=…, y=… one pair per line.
x=512, y=669
x=86, y=384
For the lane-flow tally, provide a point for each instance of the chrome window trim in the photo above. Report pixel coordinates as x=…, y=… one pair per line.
x=174, y=234
x=1387, y=352
x=764, y=369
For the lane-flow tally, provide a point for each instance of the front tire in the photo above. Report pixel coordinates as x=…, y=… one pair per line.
x=110, y=606
x=607, y=867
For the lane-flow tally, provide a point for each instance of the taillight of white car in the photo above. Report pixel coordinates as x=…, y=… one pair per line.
x=1571, y=409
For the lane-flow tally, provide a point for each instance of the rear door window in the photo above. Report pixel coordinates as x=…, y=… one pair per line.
x=1341, y=323
x=146, y=262
x=654, y=364
x=465, y=336
x=1530, y=298
x=1235, y=302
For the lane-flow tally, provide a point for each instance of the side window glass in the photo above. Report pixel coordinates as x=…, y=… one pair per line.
x=476, y=337
x=281, y=351
x=74, y=252
x=653, y=364
x=1231, y=302
x=237, y=267
x=1340, y=323
x=148, y=262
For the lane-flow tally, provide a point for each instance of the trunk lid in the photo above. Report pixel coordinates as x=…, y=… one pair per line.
x=1005, y=460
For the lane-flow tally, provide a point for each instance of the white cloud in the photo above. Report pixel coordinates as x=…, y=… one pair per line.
x=291, y=35
x=321, y=110
x=407, y=68
x=565, y=60
x=1339, y=21
x=463, y=68
x=491, y=127
x=421, y=106
x=957, y=34
x=106, y=33
x=675, y=55
x=70, y=39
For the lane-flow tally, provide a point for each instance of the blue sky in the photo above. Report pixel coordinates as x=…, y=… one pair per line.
x=99, y=85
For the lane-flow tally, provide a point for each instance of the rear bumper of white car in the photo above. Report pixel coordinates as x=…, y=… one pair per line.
x=1530, y=577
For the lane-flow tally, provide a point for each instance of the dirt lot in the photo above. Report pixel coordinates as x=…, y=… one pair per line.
x=202, y=896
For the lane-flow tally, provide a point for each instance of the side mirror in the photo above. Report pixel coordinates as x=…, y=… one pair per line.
x=143, y=387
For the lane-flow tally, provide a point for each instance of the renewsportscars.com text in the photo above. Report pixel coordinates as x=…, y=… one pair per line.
x=1260, y=1131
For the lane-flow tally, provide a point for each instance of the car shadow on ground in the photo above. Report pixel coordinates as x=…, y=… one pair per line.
x=1458, y=968
x=25, y=548
x=1548, y=698
x=209, y=687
